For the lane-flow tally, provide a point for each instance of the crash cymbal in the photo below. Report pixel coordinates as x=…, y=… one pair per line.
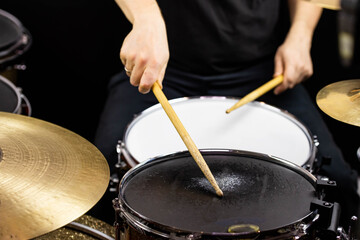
x=49, y=176
x=341, y=101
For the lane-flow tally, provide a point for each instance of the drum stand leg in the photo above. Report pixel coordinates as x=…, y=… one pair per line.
x=88, y=230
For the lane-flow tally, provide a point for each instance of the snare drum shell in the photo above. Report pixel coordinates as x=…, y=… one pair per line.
x=145, y=219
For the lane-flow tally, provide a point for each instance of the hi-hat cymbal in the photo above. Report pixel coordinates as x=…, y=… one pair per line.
x=49, y=176
x=341, y=101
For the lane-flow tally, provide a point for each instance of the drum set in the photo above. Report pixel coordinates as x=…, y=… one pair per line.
x=263, y=158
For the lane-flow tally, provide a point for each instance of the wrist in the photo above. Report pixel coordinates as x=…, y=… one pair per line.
x=301, y=33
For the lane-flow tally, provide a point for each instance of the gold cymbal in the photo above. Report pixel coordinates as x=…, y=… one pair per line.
x=49, y=176
x=341, y=101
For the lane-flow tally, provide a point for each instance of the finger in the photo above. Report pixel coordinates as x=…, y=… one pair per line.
x=279, y=66
x=149, y=77
x=129, y=65
x=136, y=74
x=127, y=71
x=292, y=77
x=280, y=88
x=287, y=81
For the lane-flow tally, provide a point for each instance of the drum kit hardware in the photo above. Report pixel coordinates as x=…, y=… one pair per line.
x=84, y=228
x=50, y=177
x=143, y=168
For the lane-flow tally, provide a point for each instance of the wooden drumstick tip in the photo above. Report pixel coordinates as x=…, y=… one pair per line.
x=219, y=192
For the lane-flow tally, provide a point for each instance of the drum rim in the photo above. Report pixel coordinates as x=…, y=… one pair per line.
x=282, y=112
x=134, y=215
x=16, y=91
x=21, y=45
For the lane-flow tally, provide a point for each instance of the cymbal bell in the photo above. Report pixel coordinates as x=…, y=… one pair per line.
x=341, y=101
x=49, y=176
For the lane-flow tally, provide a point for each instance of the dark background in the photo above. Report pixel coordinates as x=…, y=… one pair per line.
x=75, y=51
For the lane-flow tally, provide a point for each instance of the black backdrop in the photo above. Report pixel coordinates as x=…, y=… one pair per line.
x=76, y=50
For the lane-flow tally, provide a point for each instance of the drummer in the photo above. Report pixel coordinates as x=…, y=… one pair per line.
x=219, y=48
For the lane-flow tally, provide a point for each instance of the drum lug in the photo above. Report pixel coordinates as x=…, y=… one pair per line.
x=325, y=184
x=329, y=218
x=119, y=222
x=193, y=236
x=307, y=167
x=352, y=228
x=316, y=141
x=119, y=146
x=21, y=67
x=114, y=183
x=119, y=149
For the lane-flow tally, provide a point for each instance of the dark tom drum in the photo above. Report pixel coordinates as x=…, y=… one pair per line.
x=15, y=40
x=169, y=198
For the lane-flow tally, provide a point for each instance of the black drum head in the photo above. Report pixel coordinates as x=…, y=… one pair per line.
x=9, y=97
x=10, y=32
x=172, y=192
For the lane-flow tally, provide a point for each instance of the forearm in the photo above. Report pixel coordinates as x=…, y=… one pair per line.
x=138, y=10
x=304, y=18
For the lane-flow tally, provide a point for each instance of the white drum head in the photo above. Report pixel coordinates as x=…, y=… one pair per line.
x=255, y=127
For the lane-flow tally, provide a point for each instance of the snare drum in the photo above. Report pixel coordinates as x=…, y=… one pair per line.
x=12, y=100
x=264, y=198
x=15, y=40
x=255, y=127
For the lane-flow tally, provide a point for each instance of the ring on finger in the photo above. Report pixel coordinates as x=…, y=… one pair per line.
x=128, y=72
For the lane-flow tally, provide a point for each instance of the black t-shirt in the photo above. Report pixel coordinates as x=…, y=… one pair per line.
x=215, y=36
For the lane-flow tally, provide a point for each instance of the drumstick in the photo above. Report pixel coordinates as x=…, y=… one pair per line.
x=257, y=93
x=194, y=151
